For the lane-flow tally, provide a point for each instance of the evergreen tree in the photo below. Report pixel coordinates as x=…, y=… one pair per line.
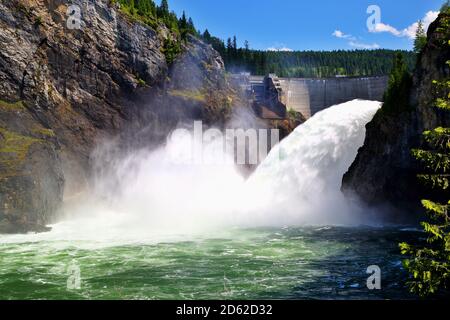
x=186, y=26
x=229, y=59
x=421, y=38
x=183, y=25
x=163, y=9
x=430, y=265
x=191, y=27
x=246, y=45
x=207, y=36
x=183, y=21
x=229, y=45
x=396, y=98
x=235, y=52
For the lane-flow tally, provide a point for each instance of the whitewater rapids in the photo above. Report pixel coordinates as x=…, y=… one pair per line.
x=146, y=195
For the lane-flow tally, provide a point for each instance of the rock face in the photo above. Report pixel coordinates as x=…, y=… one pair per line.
x=62, y=90
x=198, y=85
x=384, y=171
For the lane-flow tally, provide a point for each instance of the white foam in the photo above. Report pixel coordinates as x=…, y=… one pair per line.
x=147, y=196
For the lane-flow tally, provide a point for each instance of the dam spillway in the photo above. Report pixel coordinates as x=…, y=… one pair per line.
x=274, y=95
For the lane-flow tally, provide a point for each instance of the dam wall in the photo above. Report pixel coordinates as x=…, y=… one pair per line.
x=310, y=96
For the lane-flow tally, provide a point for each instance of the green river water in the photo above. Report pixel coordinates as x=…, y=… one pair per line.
x=289, y=263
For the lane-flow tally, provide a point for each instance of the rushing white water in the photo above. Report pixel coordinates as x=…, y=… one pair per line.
x=146, y=195
x=300, y=182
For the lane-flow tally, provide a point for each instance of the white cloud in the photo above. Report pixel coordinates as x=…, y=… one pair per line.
x=340, y=34
x=360, y=45
x=410, y=31
x=353, y=42
x=381, y=27
x=283, y=49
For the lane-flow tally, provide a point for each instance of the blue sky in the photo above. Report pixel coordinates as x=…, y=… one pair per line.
x=309, y=25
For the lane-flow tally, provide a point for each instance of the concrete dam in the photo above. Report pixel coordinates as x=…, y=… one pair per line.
x=272, y=96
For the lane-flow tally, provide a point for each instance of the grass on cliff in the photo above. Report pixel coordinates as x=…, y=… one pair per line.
x=188, y=94
x=12, y=106
x=14, y=150
x=44, y=132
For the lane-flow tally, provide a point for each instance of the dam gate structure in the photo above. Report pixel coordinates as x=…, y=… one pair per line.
x=272, y=97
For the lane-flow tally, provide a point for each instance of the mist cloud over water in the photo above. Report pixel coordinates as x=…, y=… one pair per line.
x=145, y=194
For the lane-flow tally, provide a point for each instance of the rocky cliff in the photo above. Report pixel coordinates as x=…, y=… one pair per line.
x=64, y=89
x=384, y=171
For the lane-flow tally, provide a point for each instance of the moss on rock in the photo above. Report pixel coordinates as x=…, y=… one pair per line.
x=188, y=94
x=13, y=150
x=44, y=132
x=12, y=106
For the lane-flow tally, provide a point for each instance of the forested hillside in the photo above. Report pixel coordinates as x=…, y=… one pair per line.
x=307, y=63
